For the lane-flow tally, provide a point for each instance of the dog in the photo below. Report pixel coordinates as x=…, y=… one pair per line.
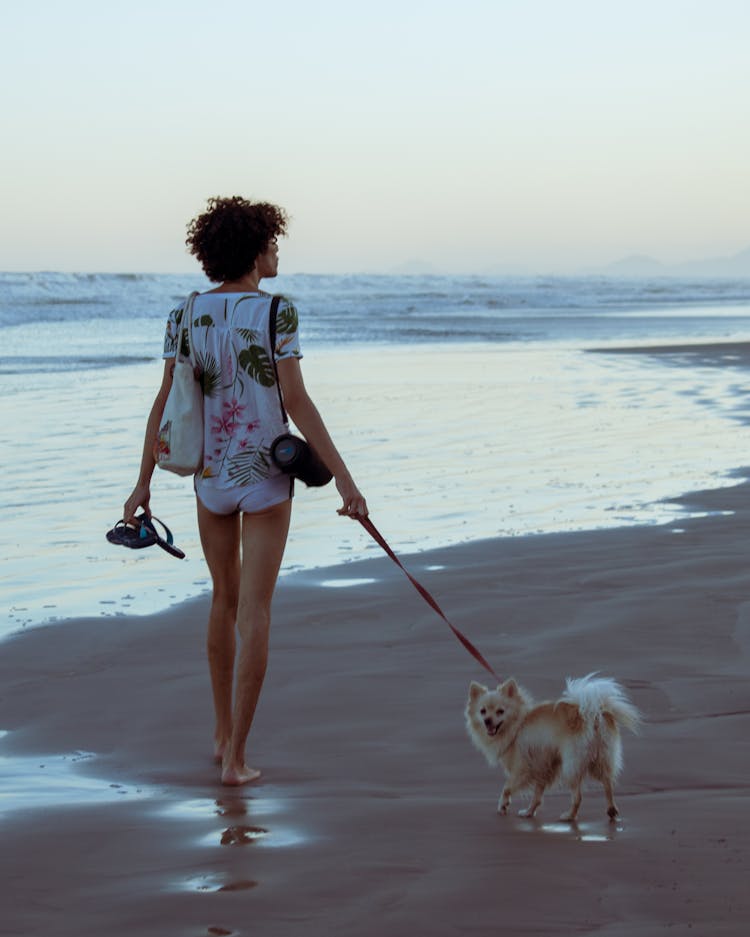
x=562, y=742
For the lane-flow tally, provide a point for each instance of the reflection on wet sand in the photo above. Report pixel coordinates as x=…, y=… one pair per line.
x=243, y=811
x=213, y=883
x=237, y=834
x=242, y=835
x=238, y=806
x=582, y=832
x=40, y=781
x=345, y=583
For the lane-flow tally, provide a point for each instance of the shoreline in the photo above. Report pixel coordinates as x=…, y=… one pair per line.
x=499, y=441
x=702, y=353
x=356, y=570
x=374, y=811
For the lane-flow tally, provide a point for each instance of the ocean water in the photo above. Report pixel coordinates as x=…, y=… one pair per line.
x=467, y=408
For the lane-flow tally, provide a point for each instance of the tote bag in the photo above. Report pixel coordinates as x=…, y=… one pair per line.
x=179, y=445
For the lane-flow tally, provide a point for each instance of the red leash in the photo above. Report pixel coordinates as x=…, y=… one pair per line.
x=380, y=540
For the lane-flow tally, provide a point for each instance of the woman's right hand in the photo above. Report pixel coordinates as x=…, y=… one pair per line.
x=138, y=499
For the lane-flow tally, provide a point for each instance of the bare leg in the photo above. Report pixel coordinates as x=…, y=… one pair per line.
x=263, y=540
x=220, y=539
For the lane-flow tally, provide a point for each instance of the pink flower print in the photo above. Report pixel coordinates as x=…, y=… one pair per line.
x=231, y=416
x=233, y=410
x=218, y=426
x=242, y=444
x=253, y=425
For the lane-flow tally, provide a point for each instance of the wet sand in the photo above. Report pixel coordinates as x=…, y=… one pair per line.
x=374, y=814
x=696, y=354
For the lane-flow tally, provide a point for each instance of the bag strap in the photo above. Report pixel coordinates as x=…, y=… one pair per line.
x=187, y=322
x=272, y=335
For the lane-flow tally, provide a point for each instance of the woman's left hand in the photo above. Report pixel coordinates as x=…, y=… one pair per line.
x=354, y=503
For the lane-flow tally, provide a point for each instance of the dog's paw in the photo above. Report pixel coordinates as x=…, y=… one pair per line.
x=613, y=813
x=502, y=809
x=527, y=812
x=568, y=817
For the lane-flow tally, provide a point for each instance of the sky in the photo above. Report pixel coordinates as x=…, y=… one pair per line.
x=474, y=136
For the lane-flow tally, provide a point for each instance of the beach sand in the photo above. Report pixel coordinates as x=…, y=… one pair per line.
x=374, y=814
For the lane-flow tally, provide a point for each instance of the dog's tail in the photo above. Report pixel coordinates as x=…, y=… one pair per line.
x=594, y=695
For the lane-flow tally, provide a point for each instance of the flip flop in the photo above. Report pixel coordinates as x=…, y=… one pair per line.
x=144, y=535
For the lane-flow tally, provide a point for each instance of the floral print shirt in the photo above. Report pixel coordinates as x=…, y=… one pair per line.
x=232, y=352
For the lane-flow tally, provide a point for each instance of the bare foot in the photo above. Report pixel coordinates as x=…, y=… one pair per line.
x=234, y=777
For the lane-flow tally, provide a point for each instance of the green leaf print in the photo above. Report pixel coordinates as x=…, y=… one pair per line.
x=250, y=335
x=258, y=365
x=287, y=320
x=249, y=465
x=210, y=373
x=203, y=321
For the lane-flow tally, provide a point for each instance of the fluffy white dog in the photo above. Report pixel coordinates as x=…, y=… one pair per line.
x=560, y=742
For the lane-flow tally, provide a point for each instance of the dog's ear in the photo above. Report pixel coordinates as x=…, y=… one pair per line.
x=509, y=688
x=476, y=690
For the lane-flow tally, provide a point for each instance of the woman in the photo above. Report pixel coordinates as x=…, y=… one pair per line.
x=244, y=501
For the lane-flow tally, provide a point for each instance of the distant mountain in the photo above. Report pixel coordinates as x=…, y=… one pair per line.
x=636, y=265
x=639, y=265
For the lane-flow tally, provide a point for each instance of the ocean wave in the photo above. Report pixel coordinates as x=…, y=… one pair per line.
x=108, y=312
x=25, y=364
x=44, y=297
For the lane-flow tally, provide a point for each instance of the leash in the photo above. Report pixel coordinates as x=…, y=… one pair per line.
x=381, y=541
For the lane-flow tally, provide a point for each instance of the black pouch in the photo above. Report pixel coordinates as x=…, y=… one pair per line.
x=296, y=457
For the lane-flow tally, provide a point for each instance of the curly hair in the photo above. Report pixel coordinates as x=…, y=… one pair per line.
x=228, y=237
